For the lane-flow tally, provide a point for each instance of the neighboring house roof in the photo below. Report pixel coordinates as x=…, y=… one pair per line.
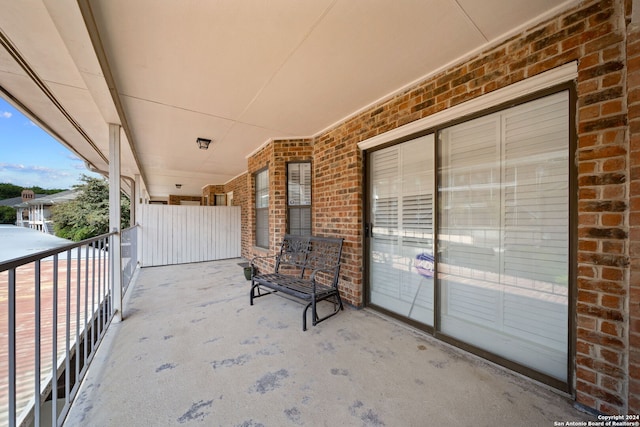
x=16, y=200
x=49, y=199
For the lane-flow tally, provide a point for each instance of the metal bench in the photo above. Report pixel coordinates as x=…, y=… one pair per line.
x=307, y=268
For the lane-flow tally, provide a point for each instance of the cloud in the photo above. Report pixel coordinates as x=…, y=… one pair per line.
x=40, y=170
x=29, y=175
x=5, y=114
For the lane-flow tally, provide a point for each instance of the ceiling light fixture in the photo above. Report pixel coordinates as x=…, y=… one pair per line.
x=178, y=186
x=203, y=143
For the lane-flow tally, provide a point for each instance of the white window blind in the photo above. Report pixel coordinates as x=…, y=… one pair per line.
x=299, y=184
x=299, y=198
x=262, y=208
x=402, y=182
x=536, y=225
x=504, y=233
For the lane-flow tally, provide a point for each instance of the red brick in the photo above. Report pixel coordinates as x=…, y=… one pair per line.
x=612, y=274
x=587, y=194
x=588, y=245
x=589, y=112
x=612, y=357
x=612, y=192
x=612, y=220
x=611, y=247
x=612, y=107
x=613, y=136
x=587, y=322
x=615, y=164
x=586, y=375
x=585, y=141
x=610, y=328
x=599, y=312
x=587, y=296
x=613, y=79
x=612, y=384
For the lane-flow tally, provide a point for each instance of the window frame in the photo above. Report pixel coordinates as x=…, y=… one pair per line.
x=261, y=212
x=301, y=207
x=435, y=125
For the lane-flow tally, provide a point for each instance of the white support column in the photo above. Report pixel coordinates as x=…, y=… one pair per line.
x=138, y=201
x=136, y=205
x=115, y=252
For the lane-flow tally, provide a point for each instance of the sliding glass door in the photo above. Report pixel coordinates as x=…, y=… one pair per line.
x=502, y=246
x=401, y=237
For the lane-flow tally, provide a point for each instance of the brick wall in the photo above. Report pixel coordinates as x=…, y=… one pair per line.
x=607, y=375
x=260, y=160
x=594, y=34
x=241, y=186
x=275, y=157
x=175, y=200
x=338, y=197
x=633, y=100
x=209, y=192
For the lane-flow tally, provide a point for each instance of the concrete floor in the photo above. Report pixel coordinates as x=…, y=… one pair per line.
x=192, y=351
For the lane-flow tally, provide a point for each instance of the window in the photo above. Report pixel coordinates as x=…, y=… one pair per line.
x=262, y=208
x=299, y=198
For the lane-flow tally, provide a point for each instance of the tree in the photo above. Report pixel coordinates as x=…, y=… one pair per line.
x=88, y=214
x=7, y=215
x=8, y=191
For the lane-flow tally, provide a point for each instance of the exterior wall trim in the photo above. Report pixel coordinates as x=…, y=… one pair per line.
x=562, y=74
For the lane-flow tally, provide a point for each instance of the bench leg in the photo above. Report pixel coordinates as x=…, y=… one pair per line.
x=313, y=314
x=304, y=317
x=256, y=292
x=253, y=286
x=337, y=306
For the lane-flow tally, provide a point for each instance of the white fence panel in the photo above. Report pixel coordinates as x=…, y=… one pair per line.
x=184, y=234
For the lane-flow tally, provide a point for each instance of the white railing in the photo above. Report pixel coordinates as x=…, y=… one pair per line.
x=55, y=307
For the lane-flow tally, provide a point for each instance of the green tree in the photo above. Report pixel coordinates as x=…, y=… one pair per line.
x=40, y=190
x=88, y=214
x=8, y=190
x=7, y=215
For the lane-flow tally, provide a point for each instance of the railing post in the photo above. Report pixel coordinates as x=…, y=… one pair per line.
x=115, y=255
x=12, y=347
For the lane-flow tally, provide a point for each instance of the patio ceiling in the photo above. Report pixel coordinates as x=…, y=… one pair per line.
x=237, y=72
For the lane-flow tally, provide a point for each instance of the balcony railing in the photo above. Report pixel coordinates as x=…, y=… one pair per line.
x=55, y=307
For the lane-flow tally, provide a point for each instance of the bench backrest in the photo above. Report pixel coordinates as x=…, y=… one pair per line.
x=293, y=252
x=308, y=253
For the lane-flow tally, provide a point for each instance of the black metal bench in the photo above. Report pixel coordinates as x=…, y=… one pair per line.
x=307, y=268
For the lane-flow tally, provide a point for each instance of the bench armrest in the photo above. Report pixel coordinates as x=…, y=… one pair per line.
x=332, y=271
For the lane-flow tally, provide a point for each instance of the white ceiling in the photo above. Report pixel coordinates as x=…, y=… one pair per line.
x=237, y=72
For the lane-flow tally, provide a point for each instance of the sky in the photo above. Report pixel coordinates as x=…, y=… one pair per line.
x=29, y=156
